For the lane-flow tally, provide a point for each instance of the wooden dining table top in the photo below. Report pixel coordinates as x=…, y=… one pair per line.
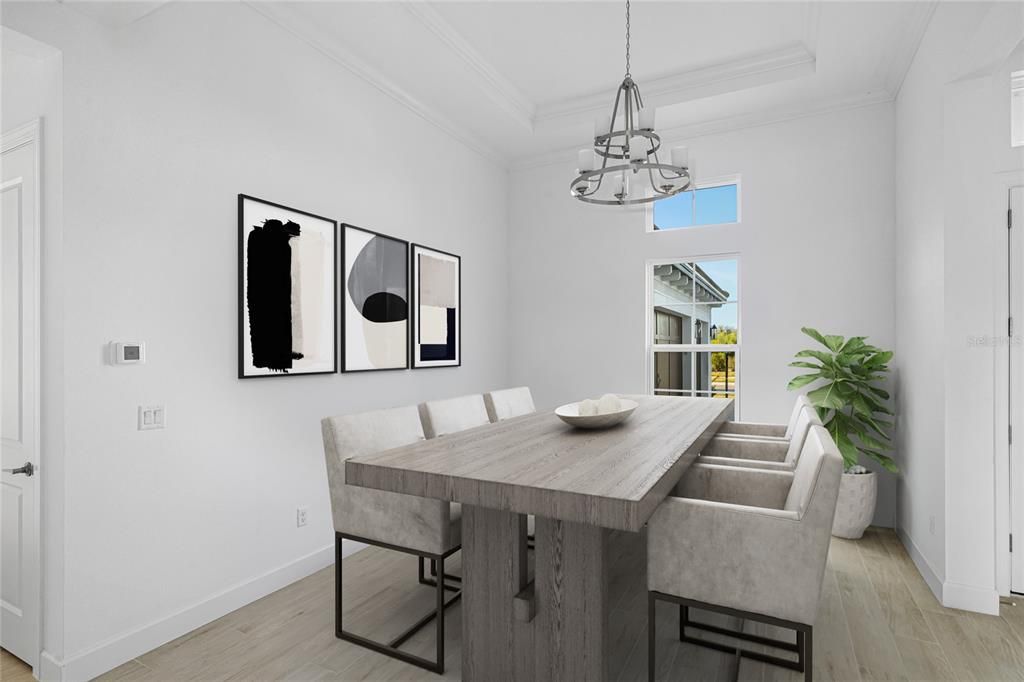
x=537, y=464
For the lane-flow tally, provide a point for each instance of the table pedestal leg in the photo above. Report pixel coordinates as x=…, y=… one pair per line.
x=563, y=633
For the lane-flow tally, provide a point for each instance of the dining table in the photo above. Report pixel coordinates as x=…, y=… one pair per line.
x=581, y=486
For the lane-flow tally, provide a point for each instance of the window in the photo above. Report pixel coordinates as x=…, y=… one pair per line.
x=711, y=203
x=693, y=332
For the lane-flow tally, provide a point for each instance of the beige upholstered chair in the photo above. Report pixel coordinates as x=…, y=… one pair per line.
x=747, y=543
x=424, y=527
x=453, y=415
x=769, y=453
x=764, y=431
x=508, y=403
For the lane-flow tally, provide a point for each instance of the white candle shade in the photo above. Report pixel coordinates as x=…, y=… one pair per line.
x=647, y=118
x=680, y=156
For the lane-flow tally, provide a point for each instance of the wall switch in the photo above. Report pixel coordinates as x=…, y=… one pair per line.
x=301, y=515
x=152, y=417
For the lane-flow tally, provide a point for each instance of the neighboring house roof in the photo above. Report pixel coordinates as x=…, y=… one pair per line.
x=681, y=276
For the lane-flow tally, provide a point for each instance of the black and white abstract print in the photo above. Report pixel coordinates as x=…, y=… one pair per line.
x=376, y=301
x=287, y=322
x=437, y=281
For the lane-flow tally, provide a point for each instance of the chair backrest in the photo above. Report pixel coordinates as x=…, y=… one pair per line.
x=802, y=403
x=805, y=420
x=508, y=403
x=453, y=415
x=819, y=469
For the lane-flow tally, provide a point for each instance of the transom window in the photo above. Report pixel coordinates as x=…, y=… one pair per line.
x=693, y=332
x=711, y=203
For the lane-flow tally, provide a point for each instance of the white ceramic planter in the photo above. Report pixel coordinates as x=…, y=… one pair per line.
x=856, y=505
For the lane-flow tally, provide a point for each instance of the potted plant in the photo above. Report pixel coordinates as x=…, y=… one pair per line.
x=852, y=405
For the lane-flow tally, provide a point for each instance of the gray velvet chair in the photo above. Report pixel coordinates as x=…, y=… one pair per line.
x=508, y=403
x=763, y=430
x=423, y=527
x=767, y=453
x=453, y=415
x=747, y=543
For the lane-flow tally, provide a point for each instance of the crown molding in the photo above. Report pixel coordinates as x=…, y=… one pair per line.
x=281, y=14
x=739, y=74
x=672, y=136
x=496, y=86
x=902, y=58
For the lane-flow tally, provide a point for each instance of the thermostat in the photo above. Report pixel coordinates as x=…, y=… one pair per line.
x=128, y=352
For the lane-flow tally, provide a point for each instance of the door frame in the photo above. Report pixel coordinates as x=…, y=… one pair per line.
x=26, y=134
x=1004, y=183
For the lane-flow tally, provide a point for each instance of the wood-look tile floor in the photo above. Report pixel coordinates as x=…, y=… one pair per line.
x=13, y=669
x=878, y=621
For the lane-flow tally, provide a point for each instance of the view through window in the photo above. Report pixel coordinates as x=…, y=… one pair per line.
x=714, y=204
x=693, y=334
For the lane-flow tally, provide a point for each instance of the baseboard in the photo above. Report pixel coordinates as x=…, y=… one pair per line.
x=970, y=598
x=118, y=650
x=50, y=668
x=931, y=578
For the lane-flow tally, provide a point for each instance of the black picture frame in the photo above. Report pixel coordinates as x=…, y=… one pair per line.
x=342, y=283
x=415, y=303
x=242, y=306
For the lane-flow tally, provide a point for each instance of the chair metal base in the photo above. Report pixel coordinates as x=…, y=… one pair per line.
x=803, y=647
x=391, y=648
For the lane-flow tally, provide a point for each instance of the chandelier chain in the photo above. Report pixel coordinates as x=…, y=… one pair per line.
x=627, y=39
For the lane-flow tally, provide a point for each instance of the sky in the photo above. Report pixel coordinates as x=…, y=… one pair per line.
x=707, y=206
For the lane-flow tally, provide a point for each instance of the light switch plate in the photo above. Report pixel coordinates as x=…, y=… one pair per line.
x=152, y=417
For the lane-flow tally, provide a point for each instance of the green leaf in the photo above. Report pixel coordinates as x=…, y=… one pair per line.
x=819, y=355
x=853, y=344
x=880, y=392
x=872, y=442
x=885, y=461
x=834, y=342
x=826, y=396
x=814, y=334
x=806, y=365
x=846, y=447
x=878, y=360
x=802, y=380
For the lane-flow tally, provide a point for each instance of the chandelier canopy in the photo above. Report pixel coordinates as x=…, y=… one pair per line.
x=623, y=167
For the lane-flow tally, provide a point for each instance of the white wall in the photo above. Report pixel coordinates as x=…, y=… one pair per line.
x=816, y=248
x=31, y=77
x=954, y=135
x=165, y=122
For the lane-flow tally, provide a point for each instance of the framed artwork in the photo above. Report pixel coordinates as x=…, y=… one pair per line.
x=287, y=291
x=375, y=301
x=437, y=308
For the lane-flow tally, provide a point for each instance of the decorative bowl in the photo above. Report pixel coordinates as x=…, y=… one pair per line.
x=570, y=414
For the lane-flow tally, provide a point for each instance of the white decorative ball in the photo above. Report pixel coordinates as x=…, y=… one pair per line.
x=588, y=408
x=608, y=403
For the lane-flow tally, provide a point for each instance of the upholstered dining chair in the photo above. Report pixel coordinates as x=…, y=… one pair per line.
x=758, y=453
x=765, y=431
x=423, y=527
x=508, y=403
x=750, y=544
x=453, y=415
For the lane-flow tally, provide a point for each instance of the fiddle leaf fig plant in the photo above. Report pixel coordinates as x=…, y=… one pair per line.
x=848, y=396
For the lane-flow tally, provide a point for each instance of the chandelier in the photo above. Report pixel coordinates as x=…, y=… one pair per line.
x=623, y=167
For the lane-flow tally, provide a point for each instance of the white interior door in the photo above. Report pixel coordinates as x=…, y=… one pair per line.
x=19, y=392
x=1017, y=389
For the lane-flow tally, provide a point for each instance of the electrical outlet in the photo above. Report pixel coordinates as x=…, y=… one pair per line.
x=152, y=417
x=301, y=516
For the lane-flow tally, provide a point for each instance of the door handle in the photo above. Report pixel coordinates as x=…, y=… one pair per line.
x=28, y=469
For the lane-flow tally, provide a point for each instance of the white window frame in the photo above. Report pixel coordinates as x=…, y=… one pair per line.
x=706, y=183
x=650, y=347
